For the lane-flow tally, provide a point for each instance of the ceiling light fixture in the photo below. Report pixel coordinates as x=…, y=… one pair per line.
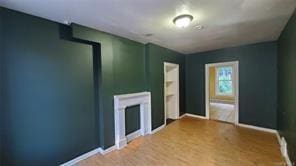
x=183, y=21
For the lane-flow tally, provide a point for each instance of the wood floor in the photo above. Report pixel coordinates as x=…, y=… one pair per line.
x=192, y=141
x=222, y=111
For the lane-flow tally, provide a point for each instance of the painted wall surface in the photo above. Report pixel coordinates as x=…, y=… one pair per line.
x=106, y=118
x=212, y=86
x=129, y=66
x=287, y=86
x=49, y=93
x=60, y=89
x=122, y=71
x=1, y=92
x=155, y=57
x=257, y=82
x=61, y=85
x=129, y=75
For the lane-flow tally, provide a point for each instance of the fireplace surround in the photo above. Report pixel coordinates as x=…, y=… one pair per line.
x=121, y=102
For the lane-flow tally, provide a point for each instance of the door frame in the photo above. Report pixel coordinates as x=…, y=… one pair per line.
x=166, y=64
x=235, y=65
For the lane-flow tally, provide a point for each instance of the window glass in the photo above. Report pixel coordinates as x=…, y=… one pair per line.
x=224, y=80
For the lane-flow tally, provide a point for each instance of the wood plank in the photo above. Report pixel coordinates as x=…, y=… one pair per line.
x=192, y=141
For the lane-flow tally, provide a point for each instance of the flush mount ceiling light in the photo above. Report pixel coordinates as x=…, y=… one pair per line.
x=182, y=21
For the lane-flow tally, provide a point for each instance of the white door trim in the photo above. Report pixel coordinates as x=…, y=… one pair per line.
x=235, y=65
x=166, y=64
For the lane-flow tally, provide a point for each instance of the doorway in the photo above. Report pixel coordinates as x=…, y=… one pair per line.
x=222, y=91
x=171, y=92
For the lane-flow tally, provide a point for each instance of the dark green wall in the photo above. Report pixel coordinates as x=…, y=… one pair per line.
x=58, y=82
x=51, y=78
x=1, y=92
x=106, y=80
x=257, y=82
x=129, y=75
x=287, y=86
x=49, y=93
x=127, y=55
x=123, y=71
x=155, y=57
x=129, y=66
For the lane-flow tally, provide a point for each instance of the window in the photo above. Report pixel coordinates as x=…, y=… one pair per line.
x=224, y=83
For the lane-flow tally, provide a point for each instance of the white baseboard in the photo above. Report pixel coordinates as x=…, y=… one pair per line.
x=257, y=128
x=89, y=154
x=196, y=116
x=278, y=138
x=121, y=143
x=157, y=129
x=283, y=148
x=182, y=116
x=282, y=142
x=133, y=135
x=82, y=157
x=108, y=150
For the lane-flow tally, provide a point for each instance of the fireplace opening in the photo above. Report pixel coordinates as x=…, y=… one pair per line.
x=132, y=119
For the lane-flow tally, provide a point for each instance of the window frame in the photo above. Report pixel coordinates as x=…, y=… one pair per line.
x=217, y=82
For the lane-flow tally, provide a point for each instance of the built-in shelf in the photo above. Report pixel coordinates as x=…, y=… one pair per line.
x=171, y=90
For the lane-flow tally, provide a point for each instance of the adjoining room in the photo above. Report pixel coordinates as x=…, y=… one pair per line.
x=222, y=91
x=147, y=82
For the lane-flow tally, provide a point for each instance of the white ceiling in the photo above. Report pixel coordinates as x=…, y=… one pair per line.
x=226, y=22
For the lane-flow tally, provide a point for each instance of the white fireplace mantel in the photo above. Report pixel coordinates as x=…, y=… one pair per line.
x=120, y=103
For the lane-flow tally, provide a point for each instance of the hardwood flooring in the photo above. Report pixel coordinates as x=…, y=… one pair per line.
x=169, y=121
x=194, y=142
x=222, y=111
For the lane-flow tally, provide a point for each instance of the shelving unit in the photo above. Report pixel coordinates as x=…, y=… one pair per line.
x=171, y=88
